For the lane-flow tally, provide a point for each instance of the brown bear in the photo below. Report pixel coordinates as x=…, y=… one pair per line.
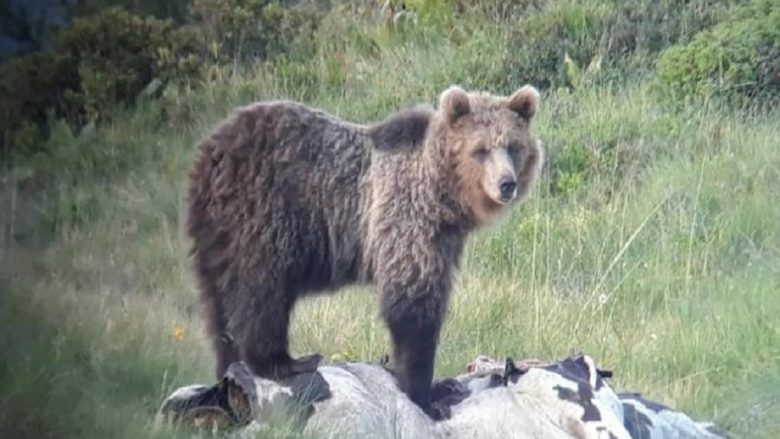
x=287, y=201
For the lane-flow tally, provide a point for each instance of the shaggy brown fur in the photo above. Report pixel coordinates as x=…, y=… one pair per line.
x=286, y=201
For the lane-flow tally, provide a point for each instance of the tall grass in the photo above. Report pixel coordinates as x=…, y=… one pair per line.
x=651, y=243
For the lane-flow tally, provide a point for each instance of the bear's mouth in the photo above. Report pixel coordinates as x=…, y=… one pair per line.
x=498, y=201
x=492, y=204
x=505, y=200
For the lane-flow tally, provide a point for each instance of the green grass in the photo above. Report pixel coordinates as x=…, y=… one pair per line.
x=651, y=243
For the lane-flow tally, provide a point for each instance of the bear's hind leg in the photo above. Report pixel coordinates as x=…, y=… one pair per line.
x=222, y=342
x=263, y=338
x=225, y=351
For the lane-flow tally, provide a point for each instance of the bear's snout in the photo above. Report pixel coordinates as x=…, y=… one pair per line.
x=507, y=188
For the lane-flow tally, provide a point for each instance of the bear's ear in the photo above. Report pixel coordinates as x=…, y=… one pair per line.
x=403, y=129
x=525, y=101
x=454, y=103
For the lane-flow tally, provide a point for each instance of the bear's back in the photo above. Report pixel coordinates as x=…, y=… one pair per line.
x=281, y=179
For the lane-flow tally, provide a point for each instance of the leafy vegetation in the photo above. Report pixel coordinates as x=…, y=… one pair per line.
x=96, y=64
x=107, y=59
x=736, y=58
x=651, y=242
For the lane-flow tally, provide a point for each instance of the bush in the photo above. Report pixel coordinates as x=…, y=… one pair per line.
x=542, y=38
x=108, y=59
x=242, y=30
x=117, y=54
x=647, y=27
x=737, y=59
x=173, y=9
x=94, y=64
x=30, y=89
x=619, y=35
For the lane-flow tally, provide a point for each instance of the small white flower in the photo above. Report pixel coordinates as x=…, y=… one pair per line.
x=603, y=298
x=653, y=336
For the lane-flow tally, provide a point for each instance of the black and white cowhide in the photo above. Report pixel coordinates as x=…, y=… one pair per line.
x=568, y=399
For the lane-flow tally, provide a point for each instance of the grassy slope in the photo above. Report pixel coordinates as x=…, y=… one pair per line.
x=664, y=263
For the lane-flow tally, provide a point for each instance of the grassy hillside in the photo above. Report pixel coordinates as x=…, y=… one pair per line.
x=652, y=242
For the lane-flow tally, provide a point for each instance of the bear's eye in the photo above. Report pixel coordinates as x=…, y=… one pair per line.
x=513, y=150
x=481, y=153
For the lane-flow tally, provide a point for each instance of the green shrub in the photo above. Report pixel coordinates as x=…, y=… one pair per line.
x=117, y=54
x=107, y=59
x=30, y=88
x=95, y=63
x=646, y=27
x=496, y=10
x=541, y=39
x=621, y=36
x=245, y=30
x=572, y=166
x=736, y=59
x=173, y=9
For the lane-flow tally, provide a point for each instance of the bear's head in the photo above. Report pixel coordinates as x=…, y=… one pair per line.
x=476, y=149
x=492, y=154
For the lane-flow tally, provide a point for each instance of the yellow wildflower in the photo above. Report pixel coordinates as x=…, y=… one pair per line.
x=178, y=332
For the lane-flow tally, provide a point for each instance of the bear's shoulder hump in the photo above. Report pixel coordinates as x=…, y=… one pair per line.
x=402, y=130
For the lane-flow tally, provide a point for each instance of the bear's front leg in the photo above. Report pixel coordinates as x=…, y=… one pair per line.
x=414, y=323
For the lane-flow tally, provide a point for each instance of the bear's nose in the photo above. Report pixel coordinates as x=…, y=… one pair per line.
x=507, y=186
